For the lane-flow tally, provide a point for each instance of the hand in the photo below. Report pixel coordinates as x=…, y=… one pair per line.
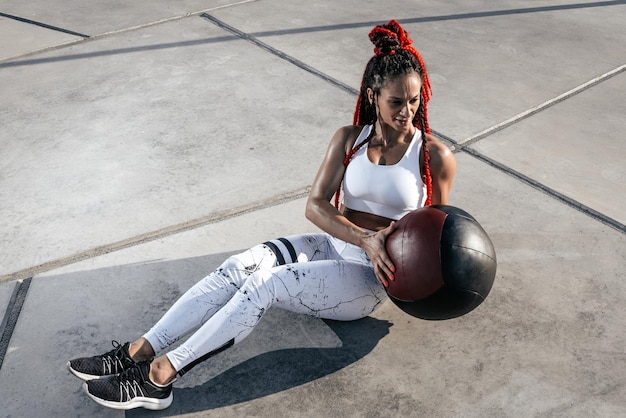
x=374, y=247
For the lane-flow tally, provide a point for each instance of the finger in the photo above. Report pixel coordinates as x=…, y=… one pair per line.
x=384, y=275
x=389, y=230
x=388, y=272
x=386, y=266
x=381, y=276
x=382, y=280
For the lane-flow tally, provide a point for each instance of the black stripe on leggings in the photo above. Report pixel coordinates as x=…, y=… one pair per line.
x=206, y=357
x=292, y=251
x=276, y=250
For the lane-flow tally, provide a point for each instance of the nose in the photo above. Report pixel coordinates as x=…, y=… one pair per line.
x=406, y=110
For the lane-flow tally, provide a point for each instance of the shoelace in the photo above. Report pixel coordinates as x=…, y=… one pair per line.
x=131, y=382
x=113, y=358
x=133, y=373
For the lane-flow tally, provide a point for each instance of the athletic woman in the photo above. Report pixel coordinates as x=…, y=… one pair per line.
x=387, y=164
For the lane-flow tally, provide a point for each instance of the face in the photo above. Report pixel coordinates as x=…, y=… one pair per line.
x=397, y=103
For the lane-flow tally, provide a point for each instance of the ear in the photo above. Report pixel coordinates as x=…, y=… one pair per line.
x=370, y=95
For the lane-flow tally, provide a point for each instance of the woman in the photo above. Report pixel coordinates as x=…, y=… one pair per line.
x=388, y=163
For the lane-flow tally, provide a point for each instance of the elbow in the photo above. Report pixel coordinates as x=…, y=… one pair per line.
x=309, y=210
x=314, y=210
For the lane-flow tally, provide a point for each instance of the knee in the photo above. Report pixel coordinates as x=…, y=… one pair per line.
x=259, y=288
x=249, y=261
x=234, y=269
x=239, y=268
x=229, y=265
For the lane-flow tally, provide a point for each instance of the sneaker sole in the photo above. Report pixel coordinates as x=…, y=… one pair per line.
x=84, y=376
x=138, y=402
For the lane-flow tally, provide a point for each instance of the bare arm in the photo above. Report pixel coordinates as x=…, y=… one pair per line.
x=319, y=210
x=442, y=170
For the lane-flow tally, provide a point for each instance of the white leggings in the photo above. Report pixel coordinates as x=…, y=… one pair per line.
x=313, y=274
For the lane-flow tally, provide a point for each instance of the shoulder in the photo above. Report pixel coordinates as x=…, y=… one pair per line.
x=345, y=137
x=442, y=160
x=436, y=146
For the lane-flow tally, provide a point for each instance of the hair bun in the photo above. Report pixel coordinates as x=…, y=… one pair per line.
x=388, y=38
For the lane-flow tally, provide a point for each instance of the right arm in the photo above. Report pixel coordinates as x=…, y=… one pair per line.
x=323, y=214
x=319, y=209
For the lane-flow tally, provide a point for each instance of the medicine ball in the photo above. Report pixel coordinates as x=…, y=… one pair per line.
x=445, y=263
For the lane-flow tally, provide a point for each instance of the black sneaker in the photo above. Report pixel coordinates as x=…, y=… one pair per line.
x=111, y=363
x=130, y=389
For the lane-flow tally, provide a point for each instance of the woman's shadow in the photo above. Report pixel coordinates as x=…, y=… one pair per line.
x=276, y=371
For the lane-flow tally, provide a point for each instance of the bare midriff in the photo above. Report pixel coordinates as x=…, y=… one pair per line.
x=366, y=220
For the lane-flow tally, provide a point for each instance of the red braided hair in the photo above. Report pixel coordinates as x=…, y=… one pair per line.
x=390, y=40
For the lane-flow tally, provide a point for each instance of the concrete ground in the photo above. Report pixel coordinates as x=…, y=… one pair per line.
x=142, y=143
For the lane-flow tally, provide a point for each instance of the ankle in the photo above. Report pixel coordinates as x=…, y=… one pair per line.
x=140, y=350
x=161, y=371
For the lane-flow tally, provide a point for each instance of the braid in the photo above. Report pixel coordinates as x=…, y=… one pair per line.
x=394, y=55
x=426, y=176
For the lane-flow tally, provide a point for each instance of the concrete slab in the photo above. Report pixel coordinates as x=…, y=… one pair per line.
x=488, y=62
x=103, y=17
x=554, y=148
x=117, y=138
x=19, y=38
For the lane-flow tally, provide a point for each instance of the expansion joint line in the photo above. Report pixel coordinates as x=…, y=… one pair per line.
x=86, y=38
x=43, y=25
x=11, y=315
x=463, y=147
x=278, y=53
x=545, y=189
x=543, y=106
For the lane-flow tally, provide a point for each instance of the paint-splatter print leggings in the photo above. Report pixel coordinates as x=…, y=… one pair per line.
x=314, y=274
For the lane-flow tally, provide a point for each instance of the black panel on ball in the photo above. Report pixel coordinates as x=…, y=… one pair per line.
x=453, y=210
x=468, y=259
x=446, y=303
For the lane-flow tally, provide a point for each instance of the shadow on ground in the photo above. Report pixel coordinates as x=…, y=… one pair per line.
x=285, y=350
x=277, y=371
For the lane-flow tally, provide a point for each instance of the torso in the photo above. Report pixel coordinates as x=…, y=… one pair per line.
x=372, y=204
x=366, y=220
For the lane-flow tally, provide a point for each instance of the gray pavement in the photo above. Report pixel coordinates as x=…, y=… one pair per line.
x=143, y=143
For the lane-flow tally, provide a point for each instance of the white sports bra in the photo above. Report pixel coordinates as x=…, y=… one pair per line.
x=391, y=191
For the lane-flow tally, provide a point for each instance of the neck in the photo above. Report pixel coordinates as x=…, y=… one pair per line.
x=388, y=136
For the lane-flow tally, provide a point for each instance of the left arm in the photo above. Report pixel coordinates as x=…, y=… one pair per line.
x=442, y=169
